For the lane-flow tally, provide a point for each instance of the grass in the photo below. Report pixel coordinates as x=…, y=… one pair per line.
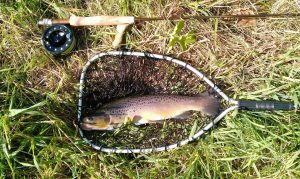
x=38, y=93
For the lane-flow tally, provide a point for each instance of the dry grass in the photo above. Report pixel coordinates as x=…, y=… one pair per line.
x=260, y=62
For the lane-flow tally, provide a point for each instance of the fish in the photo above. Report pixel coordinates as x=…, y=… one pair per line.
x=149, y=109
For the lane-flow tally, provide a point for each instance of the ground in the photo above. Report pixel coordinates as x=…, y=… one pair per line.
x=38, y=92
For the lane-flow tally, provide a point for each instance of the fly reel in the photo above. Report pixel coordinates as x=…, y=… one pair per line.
x=59, y=39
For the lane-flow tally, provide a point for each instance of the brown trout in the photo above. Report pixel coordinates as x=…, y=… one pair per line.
x=149, y=109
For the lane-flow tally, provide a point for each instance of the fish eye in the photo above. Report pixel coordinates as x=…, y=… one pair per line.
x=88, y=119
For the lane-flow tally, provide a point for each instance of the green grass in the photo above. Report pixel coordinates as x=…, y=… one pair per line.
x=38, y=93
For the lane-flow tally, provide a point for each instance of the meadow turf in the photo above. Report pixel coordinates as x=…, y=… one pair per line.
x=38, y=92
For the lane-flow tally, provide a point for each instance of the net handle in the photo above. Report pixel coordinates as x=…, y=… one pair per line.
x=154, y=57
x=265, y=105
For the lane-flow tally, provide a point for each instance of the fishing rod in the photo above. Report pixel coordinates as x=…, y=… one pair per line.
x=59, y=37
x=119, y=20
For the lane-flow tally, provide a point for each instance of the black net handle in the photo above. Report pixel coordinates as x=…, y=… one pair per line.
x=265, y=105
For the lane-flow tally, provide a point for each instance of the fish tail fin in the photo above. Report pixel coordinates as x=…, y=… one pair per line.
x=210, y=105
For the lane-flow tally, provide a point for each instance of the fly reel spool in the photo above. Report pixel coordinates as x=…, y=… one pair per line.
x=59, y=39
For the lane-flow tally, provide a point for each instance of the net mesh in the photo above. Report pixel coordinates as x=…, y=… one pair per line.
x=112, y=77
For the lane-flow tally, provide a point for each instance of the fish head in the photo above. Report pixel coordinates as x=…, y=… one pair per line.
x=96, y=122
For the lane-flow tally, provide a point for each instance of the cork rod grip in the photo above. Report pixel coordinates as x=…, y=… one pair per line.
x=100, y=20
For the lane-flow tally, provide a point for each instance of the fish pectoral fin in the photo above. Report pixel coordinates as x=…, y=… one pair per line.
x=143, y=122
x=157, y=121
x=136, y=118
x=184, y=115
x=150, y=122
x=139, y=124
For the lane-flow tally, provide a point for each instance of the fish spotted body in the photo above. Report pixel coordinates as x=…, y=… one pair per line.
x=149, y=109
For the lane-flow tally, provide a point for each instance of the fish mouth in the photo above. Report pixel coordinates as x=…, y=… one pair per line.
x=95, y=123
x=89, y=126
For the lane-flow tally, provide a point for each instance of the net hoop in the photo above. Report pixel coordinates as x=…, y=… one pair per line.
x=152, y=57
